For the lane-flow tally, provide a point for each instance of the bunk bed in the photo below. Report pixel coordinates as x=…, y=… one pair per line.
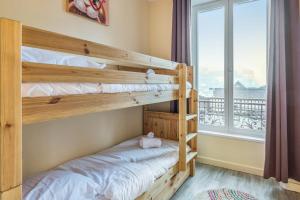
x=125, y=67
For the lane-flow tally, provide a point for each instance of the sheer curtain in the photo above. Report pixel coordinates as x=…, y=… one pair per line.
x=283, y=114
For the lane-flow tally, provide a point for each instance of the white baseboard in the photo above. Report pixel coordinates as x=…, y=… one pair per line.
x=292, y=185
x=230, y=165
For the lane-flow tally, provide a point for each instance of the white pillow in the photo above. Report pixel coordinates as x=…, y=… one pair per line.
x=50, y=57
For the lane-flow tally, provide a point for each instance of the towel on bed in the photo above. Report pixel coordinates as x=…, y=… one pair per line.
x=150, y=73
x=150, y=142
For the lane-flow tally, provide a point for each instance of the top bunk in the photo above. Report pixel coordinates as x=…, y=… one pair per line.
x=123, y=69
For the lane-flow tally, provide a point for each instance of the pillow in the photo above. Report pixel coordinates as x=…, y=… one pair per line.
x=50, y=57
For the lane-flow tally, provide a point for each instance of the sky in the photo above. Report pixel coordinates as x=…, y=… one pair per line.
x=250, y=35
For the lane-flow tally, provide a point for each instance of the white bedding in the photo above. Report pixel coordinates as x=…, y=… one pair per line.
x=60, y=185
x=50, y=57
x=123, y=172
x=56, y=89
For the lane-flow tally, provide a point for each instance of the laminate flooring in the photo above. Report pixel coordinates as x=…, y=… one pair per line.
x=209, y=177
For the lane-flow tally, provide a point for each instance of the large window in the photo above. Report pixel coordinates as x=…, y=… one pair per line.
x=229, y=50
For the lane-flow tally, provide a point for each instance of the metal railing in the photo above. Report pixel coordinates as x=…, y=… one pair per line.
x=247, y=113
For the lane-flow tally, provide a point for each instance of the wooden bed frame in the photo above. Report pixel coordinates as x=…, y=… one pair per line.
x=124, y=67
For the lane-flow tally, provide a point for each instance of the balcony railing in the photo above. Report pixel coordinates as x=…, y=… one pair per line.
x=247, y=113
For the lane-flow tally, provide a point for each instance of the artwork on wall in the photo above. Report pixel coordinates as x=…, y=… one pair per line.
x=96, y=10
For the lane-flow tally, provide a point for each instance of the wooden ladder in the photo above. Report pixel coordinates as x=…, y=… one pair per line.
x=188, y=122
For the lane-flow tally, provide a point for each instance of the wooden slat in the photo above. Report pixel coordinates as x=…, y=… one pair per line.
x=182, y=116
x=164, y=125
x=10, y=107
x=33, y=37
x=162, y=115
x=191, y=155
x=190, y=136
x=36, y=72
x=37, y=109
x=12, y=194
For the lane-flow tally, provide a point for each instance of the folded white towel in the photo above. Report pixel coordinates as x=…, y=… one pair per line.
x=150, y=73
x=150, y=135
x=146, y=142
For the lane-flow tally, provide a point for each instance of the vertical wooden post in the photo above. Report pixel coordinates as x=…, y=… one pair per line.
x=182, y=116
x=193, y=167
x=10, y=110
x=190, y=75
x=193, y=124
x=193, y=127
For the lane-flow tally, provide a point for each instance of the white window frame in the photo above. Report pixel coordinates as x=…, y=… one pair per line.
x=206, y=5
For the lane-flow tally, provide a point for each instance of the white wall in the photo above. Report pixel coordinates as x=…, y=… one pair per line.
x=160, y=28
x=48, y=144
x=128, y=21
x=231, y=153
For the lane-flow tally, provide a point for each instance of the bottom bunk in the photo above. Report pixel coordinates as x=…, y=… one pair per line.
x=125, y=171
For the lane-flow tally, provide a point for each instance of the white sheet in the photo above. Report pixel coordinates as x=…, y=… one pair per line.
x=117, y=179
x=56, y=89
x=130, y=150
x=60, y=185
x=50, y=57
x=123, y=172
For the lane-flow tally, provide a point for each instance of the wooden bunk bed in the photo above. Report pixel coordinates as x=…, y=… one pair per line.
x=16, y=111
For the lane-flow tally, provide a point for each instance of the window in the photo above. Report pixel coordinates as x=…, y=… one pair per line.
x=229, y=50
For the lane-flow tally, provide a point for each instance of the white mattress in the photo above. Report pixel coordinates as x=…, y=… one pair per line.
x=56, y=89
x=123, y=172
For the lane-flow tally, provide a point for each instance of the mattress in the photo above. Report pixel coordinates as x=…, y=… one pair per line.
x=56, y=89
x=122, y=172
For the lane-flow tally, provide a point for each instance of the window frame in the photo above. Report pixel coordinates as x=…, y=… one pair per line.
x=204, y=6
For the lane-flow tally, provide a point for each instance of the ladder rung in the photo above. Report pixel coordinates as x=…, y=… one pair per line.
x=190, y=136
x=191, y=116
x=190, y=156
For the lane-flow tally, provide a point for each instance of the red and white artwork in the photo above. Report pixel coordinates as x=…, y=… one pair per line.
x=96, y=10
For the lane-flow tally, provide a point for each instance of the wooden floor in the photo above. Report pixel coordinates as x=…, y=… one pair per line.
x=208, y=177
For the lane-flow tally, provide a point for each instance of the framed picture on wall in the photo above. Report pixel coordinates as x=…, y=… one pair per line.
x=96, y=10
